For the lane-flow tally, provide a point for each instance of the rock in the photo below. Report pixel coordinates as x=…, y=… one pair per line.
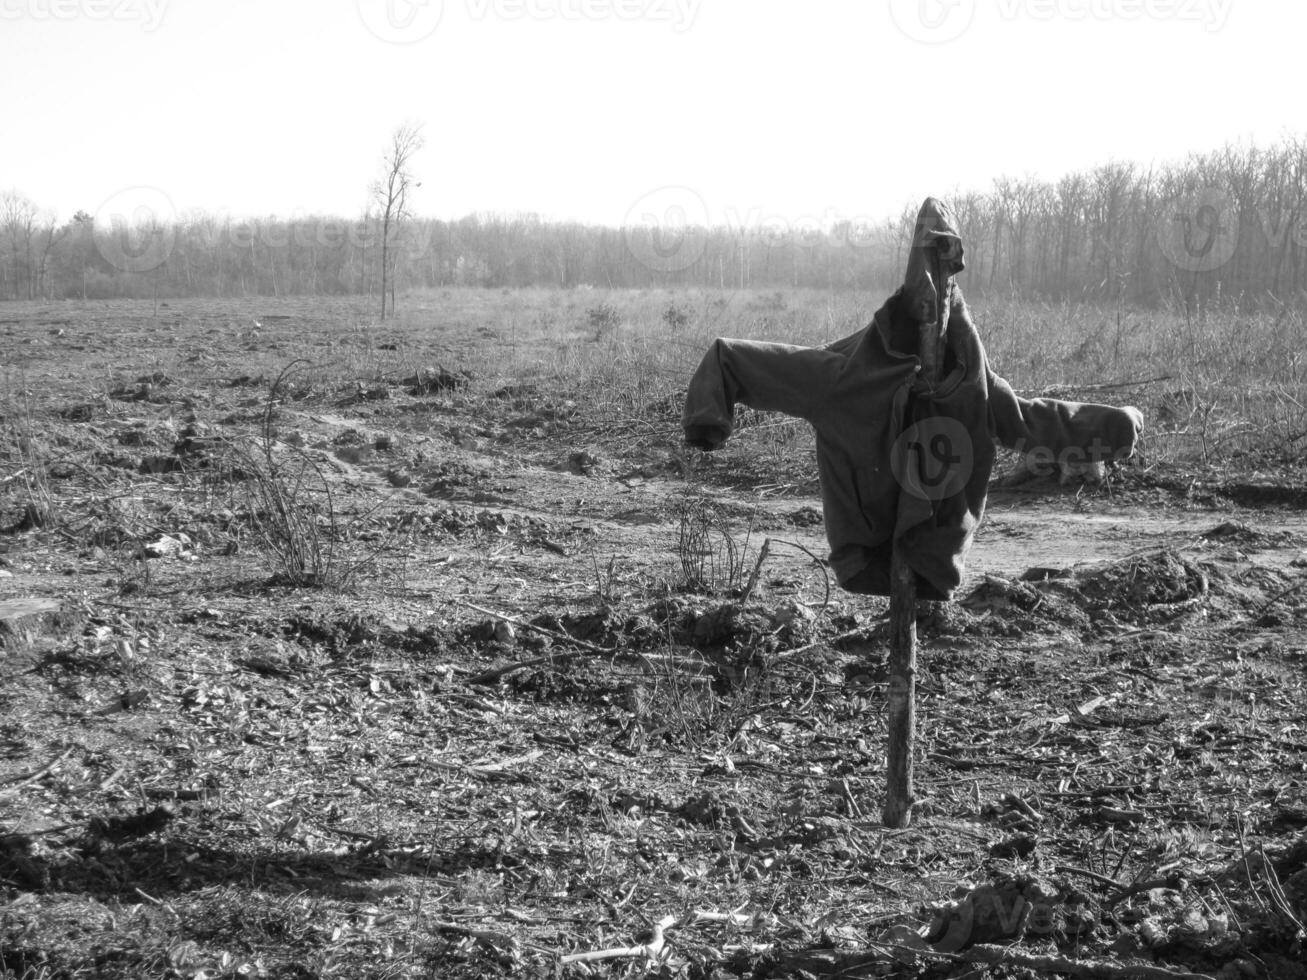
x=433, y=380
x=178, y=545
x=582, y=462
x=83, y=412
x=789, y=611
x=161, y=464
x=354, y=454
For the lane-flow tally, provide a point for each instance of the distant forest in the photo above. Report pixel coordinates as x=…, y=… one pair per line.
x=1229, y=226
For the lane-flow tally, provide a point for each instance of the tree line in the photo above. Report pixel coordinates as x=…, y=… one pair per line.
x=1228, y=224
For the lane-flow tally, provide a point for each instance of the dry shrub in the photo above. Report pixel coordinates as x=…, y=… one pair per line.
x=290, y=506
x=710, y=558
x=27, y=461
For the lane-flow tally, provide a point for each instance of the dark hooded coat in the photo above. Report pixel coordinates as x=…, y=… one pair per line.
x=900, y=461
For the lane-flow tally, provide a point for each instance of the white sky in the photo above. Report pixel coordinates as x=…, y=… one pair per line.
x=578, y=109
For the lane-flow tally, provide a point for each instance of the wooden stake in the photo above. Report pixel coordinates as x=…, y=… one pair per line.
x=897, y=811
x=899, y=795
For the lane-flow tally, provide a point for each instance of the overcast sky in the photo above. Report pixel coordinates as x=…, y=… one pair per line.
x=600, y=110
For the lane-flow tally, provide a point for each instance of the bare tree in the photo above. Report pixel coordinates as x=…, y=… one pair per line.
x=391, y=193
x=51, y=235
x=18, y=220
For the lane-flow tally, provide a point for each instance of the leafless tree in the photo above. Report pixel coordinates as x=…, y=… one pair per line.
x=392, y=193
x=1096, y=235
x=50, y=236
x=18, y=217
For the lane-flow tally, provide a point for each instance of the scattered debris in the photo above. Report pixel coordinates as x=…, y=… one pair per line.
x=435, y=380
x=544, y=720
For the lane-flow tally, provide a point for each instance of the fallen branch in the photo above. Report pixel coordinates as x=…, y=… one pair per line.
x=816, y=561
x=490, y=676
x=1172, y=882
x=652, y=950
x=555, y=634
x=1066, y=869
x=1090, y=969
x=503, y=764
x=27, y=780
x=757, y=570
x=1302, y=581
x=1053, y=390
x=830, y=962
x=14, y=476
x=843, y=637
x=739, y=920
x=492, y=939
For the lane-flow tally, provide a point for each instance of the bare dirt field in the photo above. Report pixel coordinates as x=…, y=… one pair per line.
x=331, y=648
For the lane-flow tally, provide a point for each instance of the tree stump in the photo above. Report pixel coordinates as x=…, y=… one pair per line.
x=23, y=620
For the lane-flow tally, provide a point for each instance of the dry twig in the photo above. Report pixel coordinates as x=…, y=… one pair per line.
x=654, y=949
x=34, y=776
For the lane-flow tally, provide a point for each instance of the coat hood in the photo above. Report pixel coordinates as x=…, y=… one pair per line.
x=934, y=259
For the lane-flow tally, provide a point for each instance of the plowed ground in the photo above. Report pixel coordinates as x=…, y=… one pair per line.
x=531, y=684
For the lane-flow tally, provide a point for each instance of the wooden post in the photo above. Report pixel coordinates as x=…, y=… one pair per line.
x=897, y=811
x=899, y=796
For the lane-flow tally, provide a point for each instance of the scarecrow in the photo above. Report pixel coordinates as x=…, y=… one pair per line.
x=906, y=412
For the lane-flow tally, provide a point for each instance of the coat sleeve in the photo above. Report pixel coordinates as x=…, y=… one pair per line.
x=1062, y=431
x=768, y=377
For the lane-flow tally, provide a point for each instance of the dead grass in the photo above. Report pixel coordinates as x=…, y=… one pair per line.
x=204, y=772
